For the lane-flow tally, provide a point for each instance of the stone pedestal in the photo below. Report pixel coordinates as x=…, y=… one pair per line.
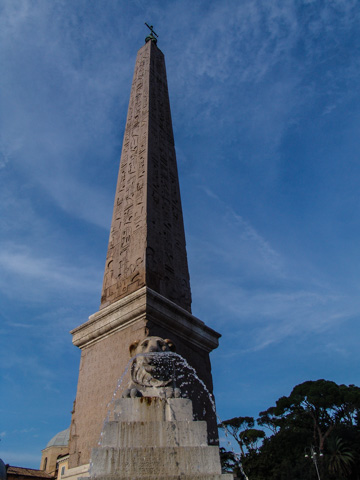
x=104, y=341
x=155, y=438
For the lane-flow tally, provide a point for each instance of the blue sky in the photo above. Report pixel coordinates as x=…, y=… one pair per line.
x=266, y=116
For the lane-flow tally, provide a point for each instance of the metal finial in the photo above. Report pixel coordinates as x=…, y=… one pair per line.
x=153, y=34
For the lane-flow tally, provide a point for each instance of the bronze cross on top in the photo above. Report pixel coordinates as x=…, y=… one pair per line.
x=151, y=28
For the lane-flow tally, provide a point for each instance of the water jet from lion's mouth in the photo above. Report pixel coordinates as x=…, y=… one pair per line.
x=184, y=376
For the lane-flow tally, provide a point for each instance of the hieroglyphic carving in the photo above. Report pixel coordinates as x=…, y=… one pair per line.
x=147, y=240
x=123, y=264
x=167, y=240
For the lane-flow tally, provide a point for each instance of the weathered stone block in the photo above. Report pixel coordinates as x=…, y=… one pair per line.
x=206, y=476
x=155, y=461
x=155, y=438
x=151, y=409
x=157, y=434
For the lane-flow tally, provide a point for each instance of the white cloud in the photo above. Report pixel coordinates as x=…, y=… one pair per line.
x=60, y=111
x=25, y=430
x=258, y=292
x=28, y=273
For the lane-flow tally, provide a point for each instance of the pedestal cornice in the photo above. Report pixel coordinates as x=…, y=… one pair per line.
x=145, y=306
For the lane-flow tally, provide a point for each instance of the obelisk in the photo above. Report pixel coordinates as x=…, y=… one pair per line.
x=146, y=288
x=147, y=239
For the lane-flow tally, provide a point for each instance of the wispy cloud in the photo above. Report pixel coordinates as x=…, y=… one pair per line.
x=26, y=272
x=30, y=364
x=268, y=254
x=57, y=157
x=242, y=238
x=25, y=430
x=264, y=68
x=264, y=296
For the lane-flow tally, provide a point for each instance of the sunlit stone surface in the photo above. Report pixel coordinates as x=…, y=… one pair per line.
x=155, y=438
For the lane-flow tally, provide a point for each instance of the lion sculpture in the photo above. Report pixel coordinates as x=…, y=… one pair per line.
x=152, y=375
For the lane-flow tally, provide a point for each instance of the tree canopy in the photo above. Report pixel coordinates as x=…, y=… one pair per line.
x=320, y=418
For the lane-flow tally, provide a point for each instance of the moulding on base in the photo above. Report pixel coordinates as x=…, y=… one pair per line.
x=149, y=306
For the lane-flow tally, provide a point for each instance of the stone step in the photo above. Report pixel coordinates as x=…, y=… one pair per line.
x=150, y=409
x=158, y=461
x=206, y=476
x=154, y=434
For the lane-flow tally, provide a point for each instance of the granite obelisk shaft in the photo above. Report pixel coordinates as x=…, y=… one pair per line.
x=147, y=239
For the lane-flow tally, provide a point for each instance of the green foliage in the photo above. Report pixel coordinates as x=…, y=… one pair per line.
x=228, y=461
x=318, y=413
x=340, y=458
x=250, y=438
x=323, y=403
x=238, y=427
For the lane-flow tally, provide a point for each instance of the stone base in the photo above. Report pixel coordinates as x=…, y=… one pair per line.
x=156, y=461
x=77, y=472
x=155, y=438
x=226, y=476
x=104, y=341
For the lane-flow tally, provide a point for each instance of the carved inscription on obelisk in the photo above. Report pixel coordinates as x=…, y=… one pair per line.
x=147, y=240
x=166, y=238
x=125, y=262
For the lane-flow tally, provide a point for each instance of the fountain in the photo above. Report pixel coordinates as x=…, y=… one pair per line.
x=152, y=433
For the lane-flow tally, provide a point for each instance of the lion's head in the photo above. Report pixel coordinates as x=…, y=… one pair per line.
x=152, y=369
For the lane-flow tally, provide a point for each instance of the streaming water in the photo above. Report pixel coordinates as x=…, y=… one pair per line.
x=184, y=377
